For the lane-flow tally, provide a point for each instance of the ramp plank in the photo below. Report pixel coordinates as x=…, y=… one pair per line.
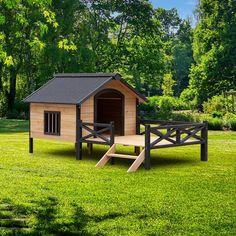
x=137, y=162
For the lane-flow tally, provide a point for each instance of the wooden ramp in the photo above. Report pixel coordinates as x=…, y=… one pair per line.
x=111, y=153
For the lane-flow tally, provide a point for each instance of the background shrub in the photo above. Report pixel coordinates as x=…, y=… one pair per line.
x=232, y=124
x=216, y=106
x=188, y=96
x=20, y=111
x=215, y=124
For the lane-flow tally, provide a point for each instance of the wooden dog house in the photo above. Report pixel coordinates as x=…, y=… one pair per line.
x=97, y=98
x=101, y=108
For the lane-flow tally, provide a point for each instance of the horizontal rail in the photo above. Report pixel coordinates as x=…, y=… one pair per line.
x=186, y=125
x=177, y=145
x=96, y=124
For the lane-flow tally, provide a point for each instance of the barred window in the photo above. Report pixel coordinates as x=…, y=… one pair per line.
x=52, y=122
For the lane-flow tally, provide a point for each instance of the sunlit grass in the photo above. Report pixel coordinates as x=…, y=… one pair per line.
x=50, y=192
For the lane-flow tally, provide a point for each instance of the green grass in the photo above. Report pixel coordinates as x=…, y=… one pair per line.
x=50, y=193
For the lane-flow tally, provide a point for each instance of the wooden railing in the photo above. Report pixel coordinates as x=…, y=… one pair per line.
x=172, y=134
x=106, y=134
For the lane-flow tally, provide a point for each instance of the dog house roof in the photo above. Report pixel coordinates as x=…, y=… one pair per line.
x=75, y=88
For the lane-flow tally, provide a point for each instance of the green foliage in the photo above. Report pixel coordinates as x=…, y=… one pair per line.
x=167, y=85
x=215, y=124
x=162, y=107
x=232, y=124
x=188, y=96
x=165, y=106
x=38, y=39
x=21, y=39
x=59, y=196
x=216, y=106
x=214, y=50
x=183, y=116
x=230, y=121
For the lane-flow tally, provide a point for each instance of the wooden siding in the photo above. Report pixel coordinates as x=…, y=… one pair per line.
x=68, y=115
x=87, y=108
x=68, y=121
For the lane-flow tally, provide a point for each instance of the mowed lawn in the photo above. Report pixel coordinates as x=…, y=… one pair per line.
x=50, y=193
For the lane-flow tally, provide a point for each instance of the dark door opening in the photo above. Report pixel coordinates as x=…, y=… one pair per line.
x=109, y=106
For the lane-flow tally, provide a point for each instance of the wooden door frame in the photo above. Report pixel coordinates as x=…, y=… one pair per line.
x=122, y=106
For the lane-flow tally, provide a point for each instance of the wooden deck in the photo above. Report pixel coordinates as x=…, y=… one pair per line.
x=163, y=135
x=135, y=140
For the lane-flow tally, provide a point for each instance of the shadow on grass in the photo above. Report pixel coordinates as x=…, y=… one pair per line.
x=44, y=218
x=13, y=126
x=96, y=155
x=157, y=160
x=47, y=219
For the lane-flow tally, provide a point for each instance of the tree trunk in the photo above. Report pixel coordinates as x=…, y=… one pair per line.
x=11, y=94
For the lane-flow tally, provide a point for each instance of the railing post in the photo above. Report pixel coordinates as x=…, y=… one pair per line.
x=204, y=145
x=147, y=147
x=137, y=149
x=78, y=140
x=112, y=139
x=178, y=136
x=31, y=140
x=137, y=117
x=31, y=145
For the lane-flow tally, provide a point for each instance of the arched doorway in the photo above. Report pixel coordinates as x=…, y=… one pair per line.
x=109, y=106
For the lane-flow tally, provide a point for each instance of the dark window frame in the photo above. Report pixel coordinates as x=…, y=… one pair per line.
x=52, y=129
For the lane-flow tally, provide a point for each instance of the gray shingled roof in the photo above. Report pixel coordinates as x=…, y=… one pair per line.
x=73, y=88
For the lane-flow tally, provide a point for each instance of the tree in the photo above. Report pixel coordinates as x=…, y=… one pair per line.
x=167, y=85
x=22, y=24
x=214, y=49
x=177, y=36
x=182, y=54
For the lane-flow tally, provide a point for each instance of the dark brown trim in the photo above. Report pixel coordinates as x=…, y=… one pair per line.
x=31, y=145
x=93, y=132
x=122, y=104
x=29, y=120
x=78, y=134
x=147, y=164
x=31, y=140
x=58, y=113
x=204, y=146
x=137, y=118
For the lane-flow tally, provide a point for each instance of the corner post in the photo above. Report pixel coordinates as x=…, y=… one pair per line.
x=147, y=164
x=178, y=136
x=112, y=140
x=137, y=149
x=78, y=134
x=31, y=140
x=204, y=145
x=31, y=145
x=137, y=118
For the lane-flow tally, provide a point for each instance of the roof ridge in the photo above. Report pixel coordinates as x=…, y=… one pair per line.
x=98, y=74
